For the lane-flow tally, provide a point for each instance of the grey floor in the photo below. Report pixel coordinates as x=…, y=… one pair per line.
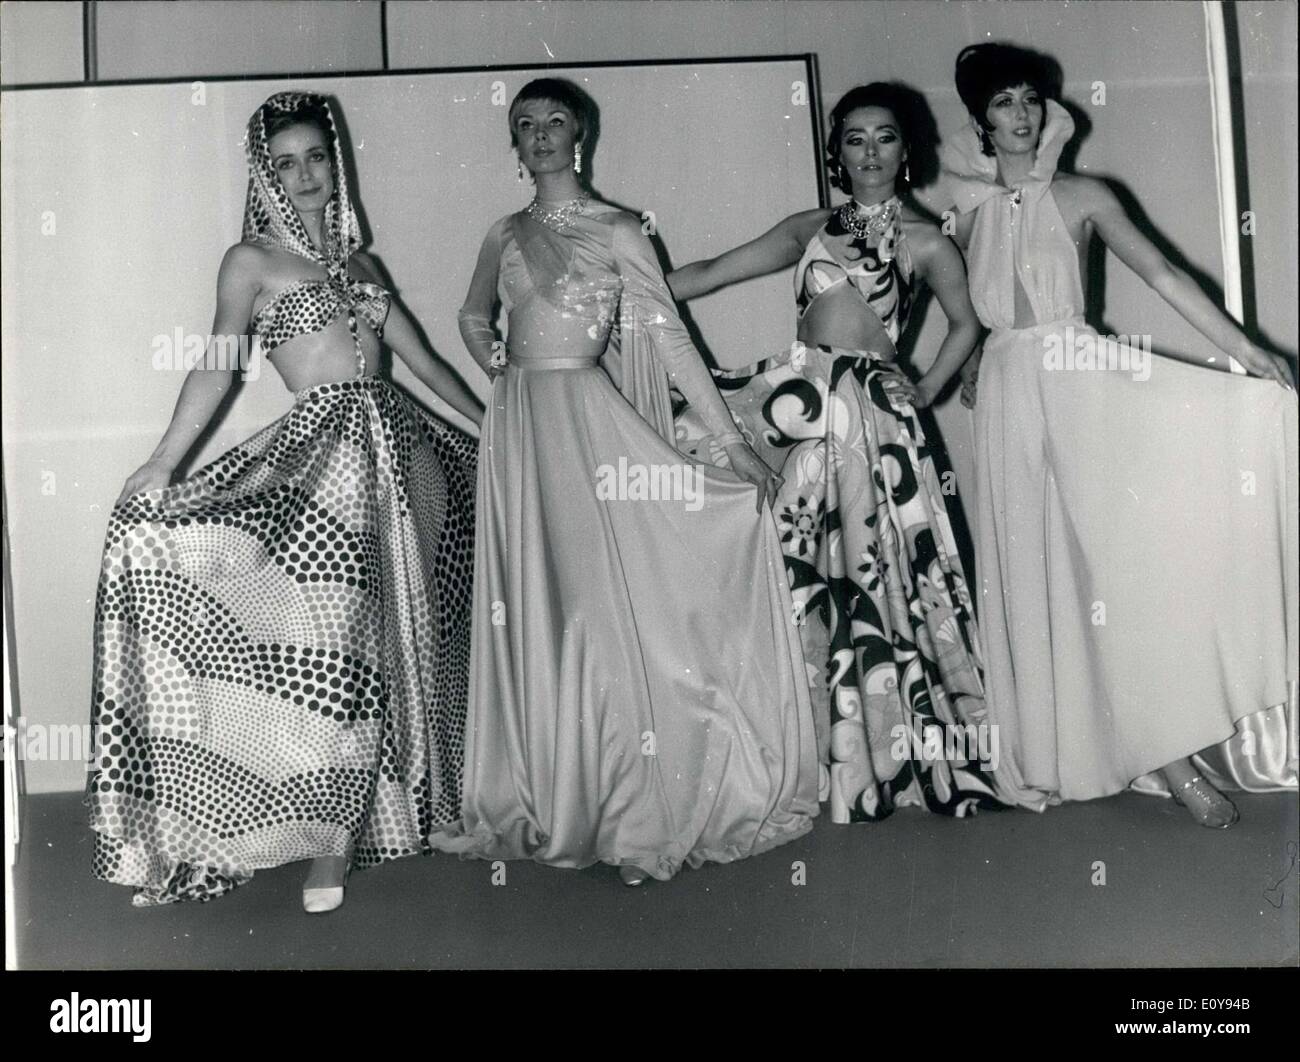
x=1009, y=889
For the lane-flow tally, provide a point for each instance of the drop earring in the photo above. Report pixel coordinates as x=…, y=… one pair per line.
x=520, y=163
x=577, y=158
x=907, y=174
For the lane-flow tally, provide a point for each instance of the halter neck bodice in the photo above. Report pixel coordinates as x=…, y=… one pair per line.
x=881, y=275
x=1018, y=238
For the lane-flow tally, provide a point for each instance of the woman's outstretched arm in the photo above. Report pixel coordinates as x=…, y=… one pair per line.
x=1173, y=284
x=777, y=248
x=208, y=381
x=429, y=369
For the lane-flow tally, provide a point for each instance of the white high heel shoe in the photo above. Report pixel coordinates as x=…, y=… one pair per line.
x=324, y=900
x=633, y=875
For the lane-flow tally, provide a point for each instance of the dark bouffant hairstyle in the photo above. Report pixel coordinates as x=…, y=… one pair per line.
x=915, y=125
x=561, y=91
x=984, y=70
x=308, y=112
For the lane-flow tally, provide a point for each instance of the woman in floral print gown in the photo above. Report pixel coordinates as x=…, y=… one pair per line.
x=888, y=632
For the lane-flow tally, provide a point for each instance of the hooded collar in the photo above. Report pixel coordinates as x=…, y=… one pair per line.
x=971, y=175
x=269, y=214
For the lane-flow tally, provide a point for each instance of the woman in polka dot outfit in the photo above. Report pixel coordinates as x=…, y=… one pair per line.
x=282, y=638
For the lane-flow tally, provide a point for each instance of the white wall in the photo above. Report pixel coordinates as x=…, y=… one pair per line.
x=119, y=202
x=40, y=42
x=1152, y=134
x=214, y=37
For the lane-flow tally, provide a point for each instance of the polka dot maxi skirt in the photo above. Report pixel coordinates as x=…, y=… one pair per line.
x=282, y=650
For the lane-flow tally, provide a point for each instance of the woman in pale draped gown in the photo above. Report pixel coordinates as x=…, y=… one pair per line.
x=1136, y=517
x=637, y=692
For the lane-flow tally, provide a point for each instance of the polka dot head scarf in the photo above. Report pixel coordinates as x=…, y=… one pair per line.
x=269, y=214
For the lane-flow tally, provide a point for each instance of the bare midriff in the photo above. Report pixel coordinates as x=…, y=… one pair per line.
x=838, y=318
x=327, y=356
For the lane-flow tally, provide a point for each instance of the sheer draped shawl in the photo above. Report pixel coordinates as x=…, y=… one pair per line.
x=601, y=269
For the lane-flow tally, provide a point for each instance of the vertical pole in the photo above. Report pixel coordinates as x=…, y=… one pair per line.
x=14, y=768
x=89, y=42
x=1225, y=170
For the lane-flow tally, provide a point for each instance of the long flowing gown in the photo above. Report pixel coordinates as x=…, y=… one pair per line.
x=637, y=693
x=1137, y=537
x=281, y=641
x=887, y=626
x=281, y=650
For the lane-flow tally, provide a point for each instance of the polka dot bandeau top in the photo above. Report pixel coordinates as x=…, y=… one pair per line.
x=307, y=306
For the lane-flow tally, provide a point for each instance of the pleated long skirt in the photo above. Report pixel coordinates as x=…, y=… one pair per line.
x=1137, y=548
x=638, y=695
x=282, y=650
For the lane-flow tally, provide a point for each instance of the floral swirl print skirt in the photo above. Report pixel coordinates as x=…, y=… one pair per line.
x=888, y=632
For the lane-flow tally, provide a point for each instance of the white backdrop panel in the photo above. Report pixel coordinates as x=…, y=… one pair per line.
x=118, y=203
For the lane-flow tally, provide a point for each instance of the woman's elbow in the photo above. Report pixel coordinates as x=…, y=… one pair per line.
x=1164, y=277
x=226, y=352
x=963, y=324
x=965, y=337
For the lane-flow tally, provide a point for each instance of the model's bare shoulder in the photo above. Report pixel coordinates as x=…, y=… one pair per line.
x=246, y=264
x=247, y=254
x=805, y=223
x=1082, y=200
x=925, y=240
x=363, y=263
x=1080, y=190
x=922, y=232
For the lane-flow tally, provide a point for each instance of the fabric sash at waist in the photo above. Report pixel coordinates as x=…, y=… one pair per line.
x=1041, y=329
x=353, y=383
x=535, y=363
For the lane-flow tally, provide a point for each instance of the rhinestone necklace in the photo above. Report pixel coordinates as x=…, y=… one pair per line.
x=558, y=218
x=865, y=222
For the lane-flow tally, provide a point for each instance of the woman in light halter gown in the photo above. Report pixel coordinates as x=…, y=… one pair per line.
x=637, y=693
x=1136, y=517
